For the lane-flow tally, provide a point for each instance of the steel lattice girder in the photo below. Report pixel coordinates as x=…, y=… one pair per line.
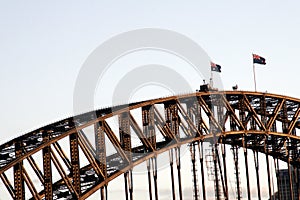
x=265, y=122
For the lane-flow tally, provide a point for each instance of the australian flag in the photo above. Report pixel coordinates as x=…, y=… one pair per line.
x=215, y=67
x=258, y=59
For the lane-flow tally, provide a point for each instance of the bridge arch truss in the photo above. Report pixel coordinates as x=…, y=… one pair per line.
x=75, y=157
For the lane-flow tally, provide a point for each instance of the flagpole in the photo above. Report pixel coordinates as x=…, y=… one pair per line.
x=254, y=77
x=211, y=79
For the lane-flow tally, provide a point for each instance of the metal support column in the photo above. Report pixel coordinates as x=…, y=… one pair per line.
x=47, y=168
x=200, y=148
x=177, y=154
x=18, y=174
x=103, y=192
x=297, y=181
x=225, y=170
x=75, y=168
x=130, y=184
x=215, y=154
x=269, y=176
x=149, y=132
x=125, y=140
x=154, y=164
x=290, y=180
x=126, y=184
x=255, y=153
x=172, y=118
x=101, y=154
x=247, y=170
x=236, y=165
x=172, y=173
x=148, y=162
x=192, y=150
x=149, y=125
x=276, y=164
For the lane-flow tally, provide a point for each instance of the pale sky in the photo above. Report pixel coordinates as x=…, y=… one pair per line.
x=43, y=45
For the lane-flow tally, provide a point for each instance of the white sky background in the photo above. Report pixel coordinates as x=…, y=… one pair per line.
x=44, y=44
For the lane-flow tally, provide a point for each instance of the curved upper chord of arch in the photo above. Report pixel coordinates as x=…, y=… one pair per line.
x=87, y=151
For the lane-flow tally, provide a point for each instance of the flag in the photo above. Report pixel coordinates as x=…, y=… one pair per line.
x=215, y=67
x=258, y=59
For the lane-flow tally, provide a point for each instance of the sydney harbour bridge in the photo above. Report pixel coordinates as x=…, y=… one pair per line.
x=79, y=156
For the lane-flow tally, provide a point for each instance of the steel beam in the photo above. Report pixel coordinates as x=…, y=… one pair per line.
x=18, y=174
x=247, y=168
x=125, y=135
x=172, y=173
x=209, y=113
x=125, y=140
x=75, y=168
x=30, y=185
x=297, y=181
x=126, y=184
x=284, y=117
x=263, y=110
x=199, y=120
x=237, y=173
x=215, y=154
x=200, y=149
x=36, y=169
x=225, y=170
x=63, y=175
x=172, y=119
x=255, y=156
x=269, y=175
x=188, y=116
x=276, y=164
x=178, y=163
x=103, y=193
x=193, y=159
x=149, y=133
x=293, y=122
x=8, y=185
x=275, y=114
x=93, y=161
x=290, y=180
x=100, y=148
x=254, y=114
x=148, y=163
x=62, y=154
x=154, y=164
x=222, y=176
x=116, y=143
x=140, y=134
x=149, y=126
x=47, y=168
x=87, y=142
x=242, y=110
x=232, y=114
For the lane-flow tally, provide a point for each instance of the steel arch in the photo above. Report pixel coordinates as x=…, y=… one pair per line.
x=267, y=123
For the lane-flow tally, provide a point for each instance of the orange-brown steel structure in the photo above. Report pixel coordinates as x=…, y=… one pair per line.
x=266, y=123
